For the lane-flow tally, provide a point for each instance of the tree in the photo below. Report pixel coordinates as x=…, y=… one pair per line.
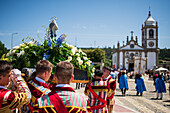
x=3, y=49
x=164, y=54
x=96, y=55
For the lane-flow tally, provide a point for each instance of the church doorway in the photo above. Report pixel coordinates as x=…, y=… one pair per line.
x=131, y=67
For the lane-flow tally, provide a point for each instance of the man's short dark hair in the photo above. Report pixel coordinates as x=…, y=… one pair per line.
x=5, y=67
x=43, y=66
x=64, y=71
x=107, y=68
x=98, y=73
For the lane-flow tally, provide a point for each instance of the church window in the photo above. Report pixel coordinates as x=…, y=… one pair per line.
x=132, y=55
x=151, y=32
x=127, y=54
x=131, y=45
x=136, y=54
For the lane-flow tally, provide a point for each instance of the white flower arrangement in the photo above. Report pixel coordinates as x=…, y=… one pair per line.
x=80, y=62
x=20, y=53
x=28, y=54
x=69, y=59
x=85, y=58
x=32, y=43
x=16, y=47
x=89, y=62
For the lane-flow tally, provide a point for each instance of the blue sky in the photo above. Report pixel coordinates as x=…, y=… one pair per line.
x=88, y=23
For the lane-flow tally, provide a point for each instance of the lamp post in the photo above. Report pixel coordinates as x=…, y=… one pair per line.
x=12, y=39
x=154, y=69
x=140, y=62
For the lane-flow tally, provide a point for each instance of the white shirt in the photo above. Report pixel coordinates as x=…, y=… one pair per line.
x=63, y=85
x=39, y=79
x=3, y=87
x=108, y=77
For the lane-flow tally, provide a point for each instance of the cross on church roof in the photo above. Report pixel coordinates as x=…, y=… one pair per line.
x=149, y=10
x=131, y=33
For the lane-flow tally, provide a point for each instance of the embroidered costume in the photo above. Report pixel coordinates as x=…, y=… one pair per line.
x=10, y=100
x=110, y=97
x=73, y=102
x=38, y=88
x=97, y=92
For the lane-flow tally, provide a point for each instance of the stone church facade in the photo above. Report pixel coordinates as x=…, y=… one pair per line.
x=123, y=56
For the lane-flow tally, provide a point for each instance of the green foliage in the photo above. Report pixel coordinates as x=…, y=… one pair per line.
x=97, y=66
x=3, y=49
x=160, y=62
x=96, y=55
x=108, y=52
x=167, y=59
x=164, y=54
x=28, y=54
x=25, y=55
x=108, y=62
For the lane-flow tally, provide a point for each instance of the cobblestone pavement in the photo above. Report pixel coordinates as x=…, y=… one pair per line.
x=142, y=104
x=146, y=103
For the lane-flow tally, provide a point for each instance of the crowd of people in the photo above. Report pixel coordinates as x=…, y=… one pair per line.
x=35, y=95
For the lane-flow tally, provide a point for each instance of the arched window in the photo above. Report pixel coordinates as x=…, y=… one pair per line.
x=127, y=54
x=151, y=32
x=136, y=54
x=132, y=55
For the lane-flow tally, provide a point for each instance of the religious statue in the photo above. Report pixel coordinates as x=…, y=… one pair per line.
x=53, y=28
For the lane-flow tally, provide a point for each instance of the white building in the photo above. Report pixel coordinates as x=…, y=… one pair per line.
x=123, y=57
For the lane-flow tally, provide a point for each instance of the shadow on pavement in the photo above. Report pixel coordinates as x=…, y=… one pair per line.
x=132, y=89
x=166, y=101
x=152, y=91
x=166, y=105
x=126, y=95
x=153, y=99
x=119, y=96
x=133, y=95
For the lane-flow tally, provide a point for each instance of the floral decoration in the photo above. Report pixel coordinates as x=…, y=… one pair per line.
x=52, y=49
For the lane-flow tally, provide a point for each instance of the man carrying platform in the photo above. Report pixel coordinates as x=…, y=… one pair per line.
x=62, y=98
x=38, y=85
x=10, y=100
x=97, y=92
x=112, y=83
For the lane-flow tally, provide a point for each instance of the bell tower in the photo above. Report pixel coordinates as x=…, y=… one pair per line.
x=150, y=41
x=150, y=33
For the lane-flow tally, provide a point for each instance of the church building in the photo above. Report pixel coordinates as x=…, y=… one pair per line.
x=124, y=56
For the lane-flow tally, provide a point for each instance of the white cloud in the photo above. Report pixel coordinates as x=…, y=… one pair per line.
x=79, y=26
x=40, y=31
x=3, y=34
x=92, y=26
x=84, y=27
